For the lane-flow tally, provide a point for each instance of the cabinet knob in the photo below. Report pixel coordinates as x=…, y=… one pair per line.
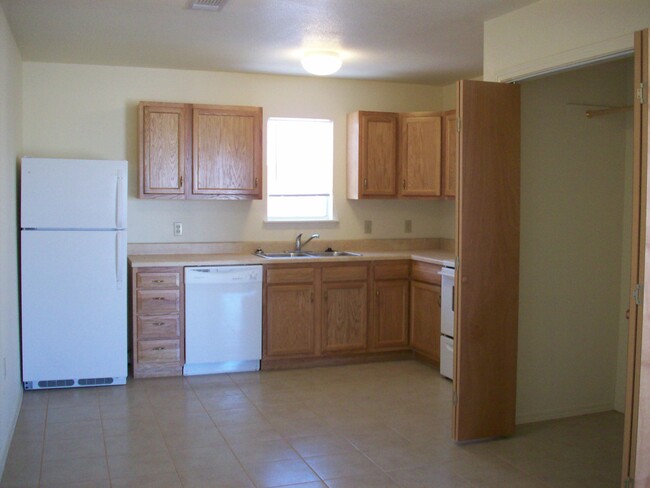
x=404, y=184
x=159, y=298
x=159, y=323
x=160, y=348
x=158, y=281
x=365, y=183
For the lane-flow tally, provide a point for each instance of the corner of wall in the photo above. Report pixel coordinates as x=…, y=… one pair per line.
x=10, y=148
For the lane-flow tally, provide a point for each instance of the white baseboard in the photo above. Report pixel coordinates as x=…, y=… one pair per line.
x=4, y=448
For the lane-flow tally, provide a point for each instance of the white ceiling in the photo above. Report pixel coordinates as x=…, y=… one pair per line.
x=420, y=41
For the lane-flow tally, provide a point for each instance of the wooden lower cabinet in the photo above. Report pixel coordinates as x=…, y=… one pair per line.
x=326, y=312
x=312, y=311
x=158, y=332
x=390, y=306
x=290, y=320
x=425, y=319
x=345, y=316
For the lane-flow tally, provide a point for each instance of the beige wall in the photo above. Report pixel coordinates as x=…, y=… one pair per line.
x=575, y=192
x=10, y=141
x=551, y=34
x=91, y=112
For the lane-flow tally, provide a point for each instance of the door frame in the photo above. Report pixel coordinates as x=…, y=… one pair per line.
x=641, y=52
x=636, y=351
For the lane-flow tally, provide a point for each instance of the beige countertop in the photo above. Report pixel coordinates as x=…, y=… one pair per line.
x=434, y=256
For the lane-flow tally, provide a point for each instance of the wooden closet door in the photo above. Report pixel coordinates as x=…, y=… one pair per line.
x=487, y=275
x=636, y=447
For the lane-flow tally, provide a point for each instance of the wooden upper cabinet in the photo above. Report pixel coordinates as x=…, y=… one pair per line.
x=200, y=151
x=227, y=152
x=162, y=143
x=372, y=155
x=450, y=132
x=420, y=154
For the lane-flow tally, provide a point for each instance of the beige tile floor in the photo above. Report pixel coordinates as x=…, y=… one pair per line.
x=365, y=426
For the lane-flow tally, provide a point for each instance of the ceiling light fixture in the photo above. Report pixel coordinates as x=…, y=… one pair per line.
x=214, y=5
x=321, y=63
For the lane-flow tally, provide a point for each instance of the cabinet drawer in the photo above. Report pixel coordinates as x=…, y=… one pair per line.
x=158, y=301
x=290, y=275
x=158, y=280
x=392, y=270
x=162, y=351
x=428, y=273
x=345, y=273
x=158, y=326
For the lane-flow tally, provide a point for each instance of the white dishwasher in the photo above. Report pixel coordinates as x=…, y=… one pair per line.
x=223, y=319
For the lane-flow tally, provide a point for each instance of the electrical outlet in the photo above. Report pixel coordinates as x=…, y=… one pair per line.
x=408, y=226
x=367, y=226
x=178, y=228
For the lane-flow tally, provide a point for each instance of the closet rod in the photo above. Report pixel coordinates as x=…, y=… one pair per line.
x=607, y=111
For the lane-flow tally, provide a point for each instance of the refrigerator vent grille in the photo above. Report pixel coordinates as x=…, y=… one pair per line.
x=29, y=385
x=55, y=383
x=95, y=381
x=213, y=5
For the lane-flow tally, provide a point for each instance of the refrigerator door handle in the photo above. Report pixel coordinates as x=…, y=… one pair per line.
x=119, y=259
x=119, y=201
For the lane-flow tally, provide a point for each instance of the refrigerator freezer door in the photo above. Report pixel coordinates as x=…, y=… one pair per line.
x=73, y=194
x=74, y=317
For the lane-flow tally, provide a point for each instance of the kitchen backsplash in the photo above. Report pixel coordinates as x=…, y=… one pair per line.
x=367, y=245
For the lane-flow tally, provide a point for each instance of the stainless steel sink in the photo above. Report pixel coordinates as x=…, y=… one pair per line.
x=305, y=254
x=279, y=255
x=330, y=254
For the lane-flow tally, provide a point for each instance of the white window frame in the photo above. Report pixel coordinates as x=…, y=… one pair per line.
x=324, y=185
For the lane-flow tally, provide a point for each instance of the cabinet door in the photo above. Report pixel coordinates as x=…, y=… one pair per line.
x=425, y=319
x=345, y=317
x=449, y=155
x=290, y=320
x=372, y=155
x=420, y=155
x=162, y=136
x=227, y=152
x=391, y=314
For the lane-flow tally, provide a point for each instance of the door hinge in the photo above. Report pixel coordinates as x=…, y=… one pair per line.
x=629, y=483
x=638, y=294
x=458, y=124
x=640, y=93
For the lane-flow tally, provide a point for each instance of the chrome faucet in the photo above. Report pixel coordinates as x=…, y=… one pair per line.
x=299, y=242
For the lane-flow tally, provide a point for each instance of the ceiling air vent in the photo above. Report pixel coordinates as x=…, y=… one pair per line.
x=207, y=4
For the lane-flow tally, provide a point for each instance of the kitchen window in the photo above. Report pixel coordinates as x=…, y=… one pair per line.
x=299, y=169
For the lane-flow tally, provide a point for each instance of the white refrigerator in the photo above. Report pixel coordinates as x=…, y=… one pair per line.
x=73, y=272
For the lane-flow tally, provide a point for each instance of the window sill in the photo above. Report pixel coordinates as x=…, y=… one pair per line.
x=300, y=221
